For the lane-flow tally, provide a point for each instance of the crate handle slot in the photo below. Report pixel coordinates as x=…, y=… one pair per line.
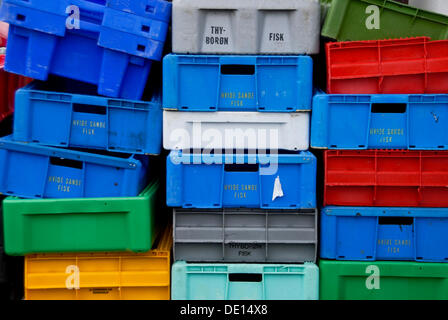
x=401, y=221
x=66, y=163
x=238, y=69
x=241, y=167
x=245, y=277
x=389, y=107
x=87, y=108
x=20, y=17
x=149, y=9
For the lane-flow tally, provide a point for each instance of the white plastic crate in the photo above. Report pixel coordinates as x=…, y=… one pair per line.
x=236, y=130
x=439, y=6
x=246, y=26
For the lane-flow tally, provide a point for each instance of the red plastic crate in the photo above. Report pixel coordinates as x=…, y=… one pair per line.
x=378, y=178
x=414, y=65
x=9, y=83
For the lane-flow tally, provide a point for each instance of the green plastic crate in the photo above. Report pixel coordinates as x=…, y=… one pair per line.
x=347, y=280
x=346, y=20
x=80, y=225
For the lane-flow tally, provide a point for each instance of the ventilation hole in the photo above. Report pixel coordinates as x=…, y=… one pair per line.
x=241, y=167
x=361, y=146
x=388, y=107
x=68, y=163
x=369, y=257
x=399, y=221
x=412, y=147
x=419, y=258
x=20, y=17
x=36, y=141
x=145, y=28
x=341, y=257
x=141, y=48
x=88, y=108
x=184, y=108
x=238, y=69
x=149, y=9
x=441, y=147
x=333, y=146
x=245, y=277
x=188, y=205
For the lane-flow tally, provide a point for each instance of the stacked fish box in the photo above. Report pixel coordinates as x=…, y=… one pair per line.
x=77, y=169
x=383, y=125
x=237, y=95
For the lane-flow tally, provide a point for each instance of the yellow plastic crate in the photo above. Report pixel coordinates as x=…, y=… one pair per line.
x=101, y=276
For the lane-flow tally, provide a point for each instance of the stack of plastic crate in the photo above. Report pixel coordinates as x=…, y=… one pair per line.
x=384, y=121
x=81, y=184
x=10, y=274
x=237, y=102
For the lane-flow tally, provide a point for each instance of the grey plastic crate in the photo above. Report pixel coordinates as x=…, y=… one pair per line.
x=246, y=26
x=245, y=235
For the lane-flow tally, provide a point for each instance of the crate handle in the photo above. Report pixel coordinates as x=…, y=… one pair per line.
x=238, y=69
x=88, y=108
x=389, y=107
x=55, y=161
x=400, y=221
x=245, y=277
x=241, y=167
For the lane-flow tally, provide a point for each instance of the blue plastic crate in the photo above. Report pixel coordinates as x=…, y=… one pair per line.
x=112, y=49
x=368, y=234
x=198, y=281
x=285, y=181
x=382, y=121
x=237, y=83
x=35, y=171
x=56, y=118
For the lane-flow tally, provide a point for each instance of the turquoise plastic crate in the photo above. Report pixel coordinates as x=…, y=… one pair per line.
x=197, y=281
